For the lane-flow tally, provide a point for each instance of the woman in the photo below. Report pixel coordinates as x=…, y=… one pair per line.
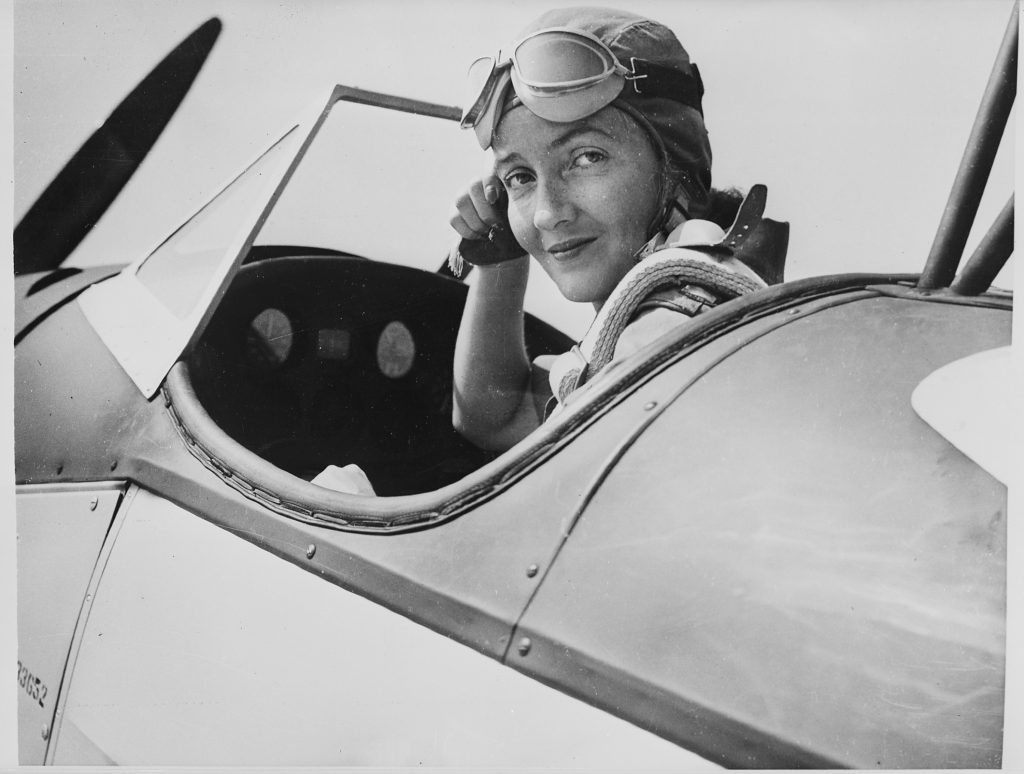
x=601, y=158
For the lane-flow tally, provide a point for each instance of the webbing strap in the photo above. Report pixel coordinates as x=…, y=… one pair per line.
x=668, y=266
x=697, y=253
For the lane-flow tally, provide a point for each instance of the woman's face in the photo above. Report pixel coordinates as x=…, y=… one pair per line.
x=581, y=195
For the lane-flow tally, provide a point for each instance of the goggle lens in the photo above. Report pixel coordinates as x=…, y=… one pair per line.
x=569, y=104
x=561, y=60
x=563, y=75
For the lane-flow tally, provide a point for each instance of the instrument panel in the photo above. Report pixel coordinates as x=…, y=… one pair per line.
x=312, y=361
x=270, y=341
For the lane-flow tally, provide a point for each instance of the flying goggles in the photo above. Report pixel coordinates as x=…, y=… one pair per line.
x=564, y=75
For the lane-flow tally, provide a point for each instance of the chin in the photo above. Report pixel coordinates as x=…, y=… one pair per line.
x=589, y=283
x=596, y=300
x=581, y=294
x=586, y=290
x=579, y=298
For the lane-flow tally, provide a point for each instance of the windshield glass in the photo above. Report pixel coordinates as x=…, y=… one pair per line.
x=179, y=271
x=147, y=314
x=360, y=179
x=376, y=183
x=380, y=183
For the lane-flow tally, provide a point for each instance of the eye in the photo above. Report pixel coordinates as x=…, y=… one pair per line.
x=588, y=157
x=516, y=179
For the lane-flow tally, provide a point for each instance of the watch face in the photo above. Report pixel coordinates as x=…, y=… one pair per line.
x=396, y=350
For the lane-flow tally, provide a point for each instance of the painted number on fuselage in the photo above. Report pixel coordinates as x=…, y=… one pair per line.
x=33, y=686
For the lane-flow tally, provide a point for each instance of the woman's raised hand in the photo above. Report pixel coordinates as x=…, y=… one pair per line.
x=481, y=219
x=478, y=209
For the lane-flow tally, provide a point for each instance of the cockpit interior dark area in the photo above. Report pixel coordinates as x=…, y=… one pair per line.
x=316, y=360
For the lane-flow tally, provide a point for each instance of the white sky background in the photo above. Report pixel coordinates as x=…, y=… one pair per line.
x=853, y=112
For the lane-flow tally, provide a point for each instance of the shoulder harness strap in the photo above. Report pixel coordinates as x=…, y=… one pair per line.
x=670, y=264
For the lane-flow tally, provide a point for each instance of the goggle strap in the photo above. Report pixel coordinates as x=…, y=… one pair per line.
x=651, y=80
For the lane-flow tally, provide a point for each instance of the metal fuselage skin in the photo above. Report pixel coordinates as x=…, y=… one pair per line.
x=750, y=546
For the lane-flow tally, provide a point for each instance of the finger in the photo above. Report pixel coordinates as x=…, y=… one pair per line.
x=479, y=193
x=492, y=189
x=467, y=209
x=459, y=224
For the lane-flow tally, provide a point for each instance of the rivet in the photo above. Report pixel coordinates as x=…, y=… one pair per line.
x=46, y=731
x=310, y=550
x=650, y=405
x=531, y=570
x=524, y=646
x=93, y=503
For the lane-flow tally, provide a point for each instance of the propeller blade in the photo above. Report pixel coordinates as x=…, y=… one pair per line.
x=84, y=189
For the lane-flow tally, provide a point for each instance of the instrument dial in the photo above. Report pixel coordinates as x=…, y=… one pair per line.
x=396, y=350
x=269, y=339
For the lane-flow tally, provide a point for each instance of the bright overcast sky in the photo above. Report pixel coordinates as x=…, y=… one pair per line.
x=853, y=113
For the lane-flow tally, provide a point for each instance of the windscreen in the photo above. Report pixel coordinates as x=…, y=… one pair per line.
x=180, y=271
x=377, y=183
x=381, y=183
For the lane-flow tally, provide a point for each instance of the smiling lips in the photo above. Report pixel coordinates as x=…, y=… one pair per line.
x=568, y=249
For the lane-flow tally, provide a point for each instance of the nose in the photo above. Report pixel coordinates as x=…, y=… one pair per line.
x=552, y=204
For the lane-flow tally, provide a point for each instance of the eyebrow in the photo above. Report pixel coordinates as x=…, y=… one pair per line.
x=560, y=141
